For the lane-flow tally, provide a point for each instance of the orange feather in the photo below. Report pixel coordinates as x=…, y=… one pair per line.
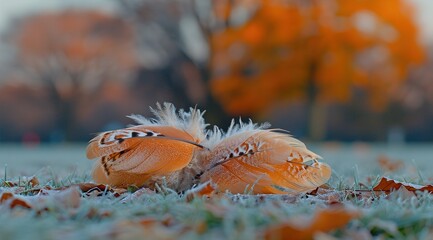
x=263, y=161
x=133, y=155
x=175, y=149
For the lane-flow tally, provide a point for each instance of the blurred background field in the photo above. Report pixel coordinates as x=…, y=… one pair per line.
x=327, y=71
x=410, y=162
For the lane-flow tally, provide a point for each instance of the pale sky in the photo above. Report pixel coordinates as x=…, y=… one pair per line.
x=10, y=9
x=425, y=18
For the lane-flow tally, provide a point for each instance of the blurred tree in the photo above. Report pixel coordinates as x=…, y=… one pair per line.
x=318, y=50
x=417, y=91
x=21, y=113
x=416, y=97
x=174, y=37
x=72, y=54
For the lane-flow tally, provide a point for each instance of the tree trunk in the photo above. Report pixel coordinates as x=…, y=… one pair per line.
x=317, y=113
x=64, y=108
x=316, y=110
x=64, y=111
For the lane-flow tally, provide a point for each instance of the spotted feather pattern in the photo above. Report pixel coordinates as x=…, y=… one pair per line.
x=272, y=161
x=155, y=148
x=175, y=149
x=110, y=138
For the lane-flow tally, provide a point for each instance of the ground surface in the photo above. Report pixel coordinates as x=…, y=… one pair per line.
x=56, y=204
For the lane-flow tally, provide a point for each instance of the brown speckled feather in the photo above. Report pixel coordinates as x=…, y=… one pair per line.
x=135, y=154
x=264, y=161
x=175, y=149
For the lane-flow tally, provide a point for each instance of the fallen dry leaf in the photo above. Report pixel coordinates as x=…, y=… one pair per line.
x=201, y=227
x=17, y=202
x=149, y=228
x=23, y=182
x=67, y=198
x=402, y=193
x=388, y=185
x=96, y=213
x=300, y=227
x=329, y=196
x=34, y=181
x=117, y=192
x=147, y=221
x=204, y=189
x=93, y=189
x=5, y=196
x=12, y=201
x=166, y=220
x=10, y=184
x=133, y=196
x=360, y=194
x=87, y=187
x=318, y=190
x=389, y=165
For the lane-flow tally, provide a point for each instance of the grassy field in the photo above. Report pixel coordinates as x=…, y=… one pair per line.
x=59, y=206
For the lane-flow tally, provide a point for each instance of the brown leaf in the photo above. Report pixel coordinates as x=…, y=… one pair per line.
x=201, y=227
x=388, y=185
x=119, y=191
x=10, y=184
x=324, y=189
x=330, y=197
x=5, y=196
x=389, y=165
x=17, y=202
x=66, y=198
x=12, y=201
x=24, y=182
x=97, y=213
x=148, y=221
x=33, y=191
x=324, y=220
x=137, y=194
x=93, y=189
x=69, y=198
x=150, y=228
x=203, y=189
x=314, y=192
x=34, y=181
x=359, y=194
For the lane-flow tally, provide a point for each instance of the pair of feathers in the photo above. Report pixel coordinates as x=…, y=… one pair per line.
x=176, y=149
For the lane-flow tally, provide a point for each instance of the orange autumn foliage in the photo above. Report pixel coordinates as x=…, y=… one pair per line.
x=74, y=57
x=324, y=220
x=74, y=37
x=71, y=52
x=287, y=49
